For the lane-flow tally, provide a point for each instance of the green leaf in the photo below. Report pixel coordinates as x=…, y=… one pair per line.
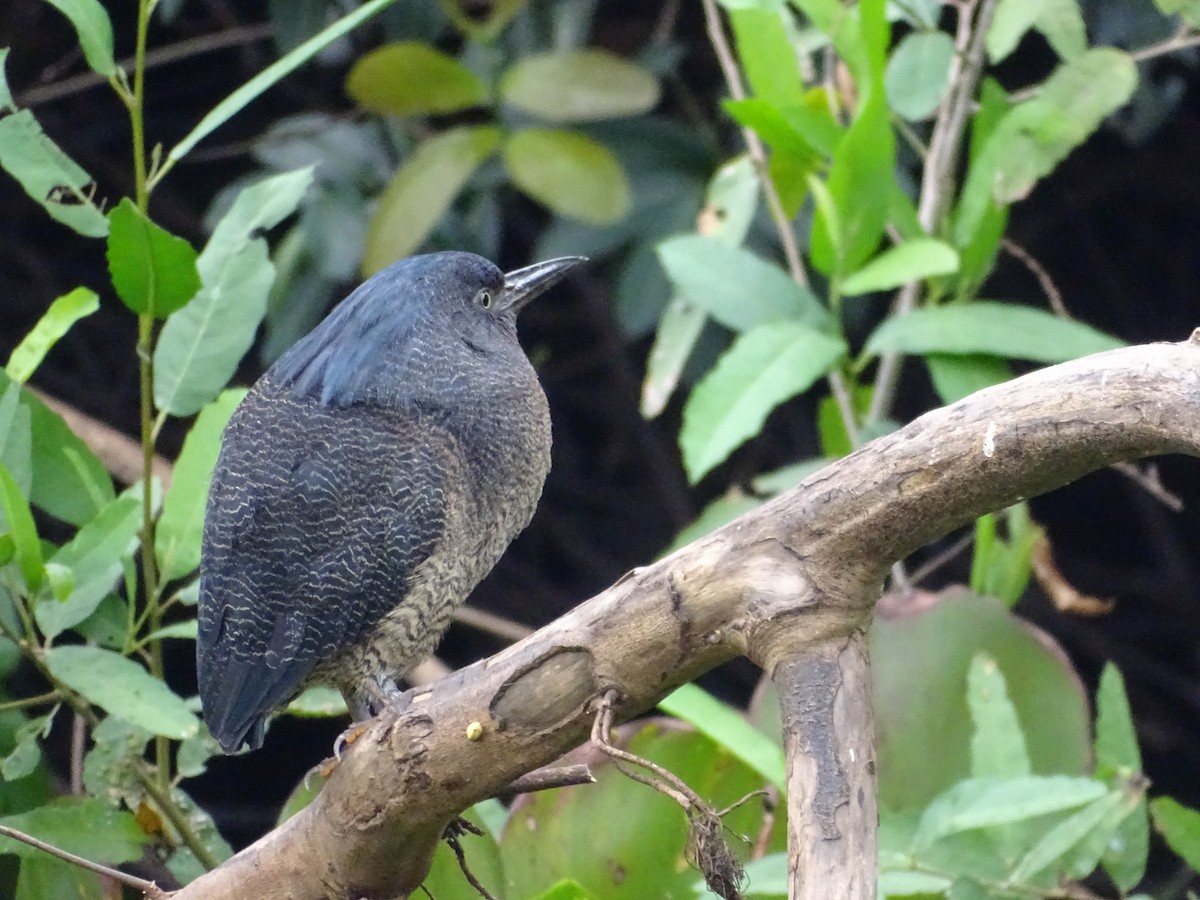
x=201, y=344
x=729, y=729
x=570, y=173
x=410, y=78
x=910, y=261
x=722, y=511
x=18, y=521
x=445, y=879
x=995, y=329
x=57, y=321
x=1035, y=136
x=905, y=883
x=69, y=482
x=1180, y=827
x=983, y=802
x=185, y=630
x=272, y=74
x=579, y=86
x=95, y=32
x=16, y=439
x=1061, y=23
x=1011, y=20
x=96, y=558
x=122, y=688
x=48, y=175
x=678, y=330
x=859, y=183
x=806, y=129
x=764, y=39
x=735, y=287
x=6, y=97
x=422, y=190
x=152, y=270
x=181, y=526
x=567, y=889
x=998, y=743
x=27, y=752
x=86, y=826
x=957, y=376
x=1116, y=740
x=918, y=74
x=1188, y=10
x=763, y=367
x=318, y=701
x=1099, y=819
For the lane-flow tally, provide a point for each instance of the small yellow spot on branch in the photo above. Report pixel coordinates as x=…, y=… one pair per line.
x=475, y=731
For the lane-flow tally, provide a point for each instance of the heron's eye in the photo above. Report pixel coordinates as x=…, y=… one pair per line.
x=485, y=299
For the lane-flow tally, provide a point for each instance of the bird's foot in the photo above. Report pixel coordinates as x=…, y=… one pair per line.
x=348, y=737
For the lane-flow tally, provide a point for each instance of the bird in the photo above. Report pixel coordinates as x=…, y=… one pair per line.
x=365, y=485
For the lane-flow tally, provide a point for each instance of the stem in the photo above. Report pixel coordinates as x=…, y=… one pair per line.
x=937, y=183
x=162, y=797
x=787, y=237
x=24, y=702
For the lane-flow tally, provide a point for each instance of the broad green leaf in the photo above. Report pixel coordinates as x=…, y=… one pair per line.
x=729, y=729
x=422, y=190
x=177, y=538
x=1116, y=740
x=763, y=368
x=27, y=752
x=57, y=321
x=1117, y=754
x=1188, y=10
x=6, y=97
x=410, y=78
x=16, y=439
x=767, y=54
x=957, y=376
x=153, y=270
x=735, y=287
x=731, y=201
x=122, y=688
x=978, y=248
x=910, y=261
x=859, y=184
x=570, y=173
x=983, y=802
x=271, y=75
x=998, y=743
x=44, y=876
x=567, y=889
x=95, y=32
x=995, y=329
x=201, y=344
x=678, y=330
x=579, y=86
x=1180, y=827
x=766, y=876
x=921, y=659
x=48, y=175
x=918, y=74
x=1061, y=23
x=1035, y=136
x=905, y=883
x=1088, y=830
x=1010, y=21
x=18, y=522
x=95, y=557
x=69, y=482
x=86, y=826
x=805, y=129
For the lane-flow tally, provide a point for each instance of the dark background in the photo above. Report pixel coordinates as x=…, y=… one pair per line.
x=1117, y=228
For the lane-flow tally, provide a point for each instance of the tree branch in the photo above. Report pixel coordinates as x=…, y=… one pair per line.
x=791, y=585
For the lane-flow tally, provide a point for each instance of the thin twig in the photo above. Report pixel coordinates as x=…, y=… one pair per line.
x=492, y=624
x=937, y=182
x=1053, y=295
x=1183, y=38
x=148, y=888
x=549, y=778
x=78, y=738
x=932, y=565
x=1149, y=481
x=48, y=697
x=452, y=840
x=248, y=34
x=783, y=226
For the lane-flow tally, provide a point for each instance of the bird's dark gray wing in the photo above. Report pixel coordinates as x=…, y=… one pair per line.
x=316, y=519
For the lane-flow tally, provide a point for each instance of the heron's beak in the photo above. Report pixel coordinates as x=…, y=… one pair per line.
x=522, y=285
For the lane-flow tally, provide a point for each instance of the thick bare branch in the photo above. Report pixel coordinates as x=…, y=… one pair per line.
x=791, y=585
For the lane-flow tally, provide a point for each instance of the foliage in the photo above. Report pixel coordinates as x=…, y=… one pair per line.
x=1012, y=797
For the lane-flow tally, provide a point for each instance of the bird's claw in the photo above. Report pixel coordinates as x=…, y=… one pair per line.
x=348, y=737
